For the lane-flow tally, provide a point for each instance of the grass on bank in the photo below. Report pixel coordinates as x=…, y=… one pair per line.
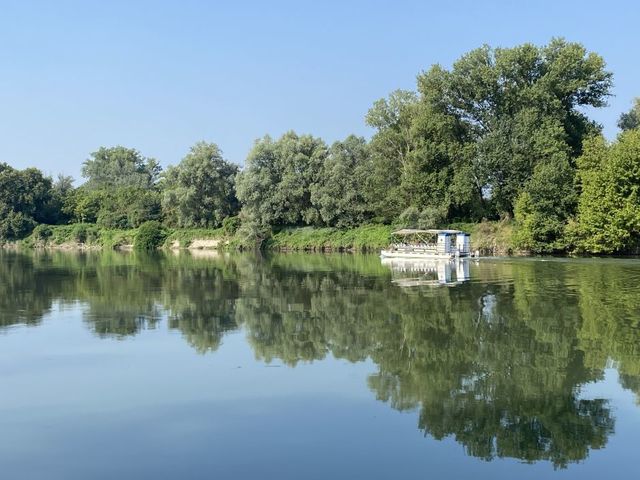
x=92, y=236
x=85, y=234
x=490, y=237
x=367, y=237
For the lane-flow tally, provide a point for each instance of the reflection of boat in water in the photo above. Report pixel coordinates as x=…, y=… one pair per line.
x=418, y=244
x=435, y=271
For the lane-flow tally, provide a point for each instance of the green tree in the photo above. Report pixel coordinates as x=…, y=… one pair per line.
x=468, y=143
x=149, y=236
x=609, y=204
x=119, y=166
x=518, y=107
x=26, y=199
x=391, y=146
x=339, y=194
x=200, y=191
x=630, y=119
x=275, y=185
x=83, y=204
x=548, y=199
x=128, y=207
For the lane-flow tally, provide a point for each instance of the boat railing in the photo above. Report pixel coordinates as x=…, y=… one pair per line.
x=419, y=247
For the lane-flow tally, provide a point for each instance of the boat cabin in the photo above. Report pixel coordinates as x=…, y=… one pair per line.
x=414, y=243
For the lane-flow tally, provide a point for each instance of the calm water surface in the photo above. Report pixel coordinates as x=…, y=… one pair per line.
x=310, y=366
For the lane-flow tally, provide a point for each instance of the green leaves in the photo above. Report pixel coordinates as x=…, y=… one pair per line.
x=630, y=119
x=200, y=191
x=609, y=206
x=119, y=166
x=26, y=198
x=275, y=185
x=339, y=192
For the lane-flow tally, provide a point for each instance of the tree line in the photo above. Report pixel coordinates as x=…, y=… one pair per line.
x=503, y=134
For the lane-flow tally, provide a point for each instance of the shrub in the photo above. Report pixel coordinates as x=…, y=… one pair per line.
x=83, y=233
x=150, y=236
x=42, y=233
x=230, y=225
x=15, y=225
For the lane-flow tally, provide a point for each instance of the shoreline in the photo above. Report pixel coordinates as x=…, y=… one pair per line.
x=490, y=238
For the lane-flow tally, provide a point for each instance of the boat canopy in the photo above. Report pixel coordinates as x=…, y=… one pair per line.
x=415, y=231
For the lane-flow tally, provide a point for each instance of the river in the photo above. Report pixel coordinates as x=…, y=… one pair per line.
x=116, y=365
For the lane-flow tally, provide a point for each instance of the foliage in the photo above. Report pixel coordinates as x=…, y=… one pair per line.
x=609, y=206
x=230, y=225
x=471, y=139
x=496, y=136
x=630, y=119
x=252, y=232
x=275, y=185
x=26, y=199
x=543, y=207
x=124, y=207
x=42, y=233
x=364, y=238
x=429, y=217
x=83, y=233
x=490, y=237
x=89, y=235
x=150, y=236
x=119, y=167
x=339, y=192
x=15, y=225
x=200, y=191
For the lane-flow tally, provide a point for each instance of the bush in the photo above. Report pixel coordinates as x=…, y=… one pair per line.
x=15, y=225
x=42, y=233
x=150, y=236
x=230, y=225
x=83, y=233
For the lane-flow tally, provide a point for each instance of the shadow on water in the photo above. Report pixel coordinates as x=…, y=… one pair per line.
x=498, y=361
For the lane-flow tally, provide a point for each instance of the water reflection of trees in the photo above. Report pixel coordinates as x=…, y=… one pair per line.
x=497, y=363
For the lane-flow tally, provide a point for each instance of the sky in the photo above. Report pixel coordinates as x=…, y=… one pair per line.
x=159, y=76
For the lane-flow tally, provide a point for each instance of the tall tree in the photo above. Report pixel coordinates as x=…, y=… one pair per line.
x=26, y=198
x=391, y=147
x=630, y=119
x=339, y=193
x=609, y=205
x=200, y=191
x=275, y=185
x=120, y=167
x=520, y=106
x=468, y=143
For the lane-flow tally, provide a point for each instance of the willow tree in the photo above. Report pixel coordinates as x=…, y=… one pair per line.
x=200, y=190
x=339, y=192
x=275, y=185
x=119, y=166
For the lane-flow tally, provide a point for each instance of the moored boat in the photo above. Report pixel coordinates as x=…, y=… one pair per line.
x=419, y=244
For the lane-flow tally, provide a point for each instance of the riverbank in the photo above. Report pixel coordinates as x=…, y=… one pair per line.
x=490, y=238
x=91, y=237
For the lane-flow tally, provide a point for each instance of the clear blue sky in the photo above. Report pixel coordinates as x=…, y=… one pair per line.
x=159, y=75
